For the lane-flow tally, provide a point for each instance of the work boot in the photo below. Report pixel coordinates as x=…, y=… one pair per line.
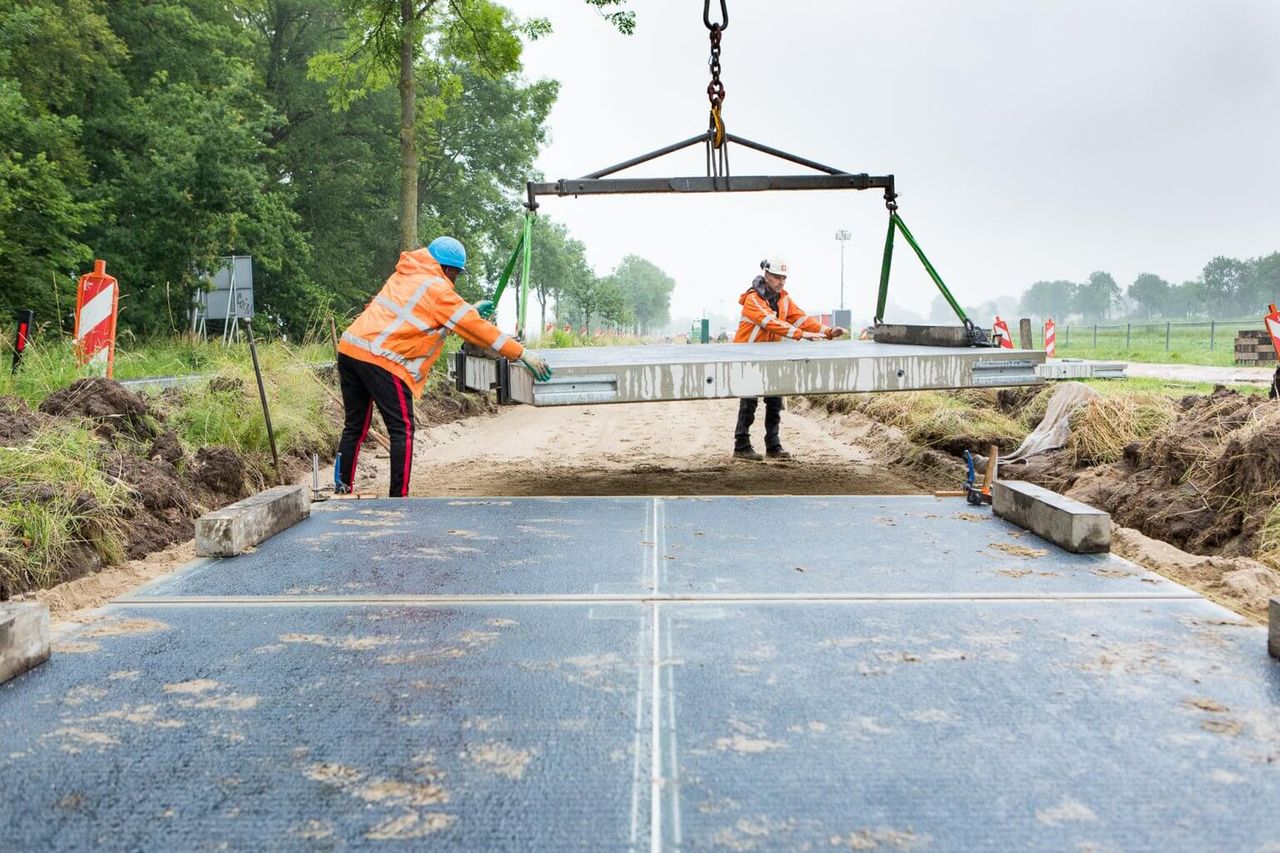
x=778, y=453
x=747, y=454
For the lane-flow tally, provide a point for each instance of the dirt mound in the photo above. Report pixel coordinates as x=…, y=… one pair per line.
x=159, y=511
x=220, y=472
x=168, y=447
x=1206, y=483
x=167, y=490
x=443, y=404
x=108, y=404
x=17, y=421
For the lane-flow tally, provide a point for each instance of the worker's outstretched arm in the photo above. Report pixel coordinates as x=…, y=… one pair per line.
x=756, y=310
x=455, y=313
x=809, y=322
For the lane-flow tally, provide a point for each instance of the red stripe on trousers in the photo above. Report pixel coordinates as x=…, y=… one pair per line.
x=355, y=457
x=408, y=446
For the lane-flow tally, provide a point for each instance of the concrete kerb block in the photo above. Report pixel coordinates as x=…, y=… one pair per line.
x=1070, y=524
x=1273, y=634
x=24, y=637
x=239, y=526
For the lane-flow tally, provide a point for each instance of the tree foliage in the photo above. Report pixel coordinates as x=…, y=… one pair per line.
x=164, y=134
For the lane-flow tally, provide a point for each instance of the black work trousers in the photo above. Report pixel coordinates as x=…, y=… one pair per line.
x=364, y=386
x=747, y=416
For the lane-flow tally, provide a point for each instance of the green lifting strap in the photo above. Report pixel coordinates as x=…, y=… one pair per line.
x=507, y=270
x=895, y=221
x=527, y=242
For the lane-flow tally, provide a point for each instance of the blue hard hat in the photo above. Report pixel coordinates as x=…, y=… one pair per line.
x=448, y=252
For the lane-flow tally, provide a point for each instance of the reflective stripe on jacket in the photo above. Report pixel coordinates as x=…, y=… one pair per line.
x=760, y=322
x=404, y=328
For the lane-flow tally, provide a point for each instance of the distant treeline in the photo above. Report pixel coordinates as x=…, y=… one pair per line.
x=1226, y=288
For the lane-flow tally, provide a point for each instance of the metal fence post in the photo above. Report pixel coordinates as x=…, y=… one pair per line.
x=1128, y=327
x=1066, y=338
x=1095, y=335
x=1166, y=336
x=1212, y=324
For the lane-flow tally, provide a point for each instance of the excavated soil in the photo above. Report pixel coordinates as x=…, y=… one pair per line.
x=168, y=488
x=1205, y=485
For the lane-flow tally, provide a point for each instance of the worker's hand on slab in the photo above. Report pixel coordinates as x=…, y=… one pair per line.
x=837, y=332
x=486, y=308
x=537, y=366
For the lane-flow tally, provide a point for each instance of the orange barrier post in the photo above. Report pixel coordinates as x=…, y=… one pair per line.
x=97, y=303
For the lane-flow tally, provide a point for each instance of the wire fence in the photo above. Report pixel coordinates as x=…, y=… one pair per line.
x=1196, y=336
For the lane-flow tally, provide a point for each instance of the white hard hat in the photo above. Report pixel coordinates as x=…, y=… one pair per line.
x=775, y=265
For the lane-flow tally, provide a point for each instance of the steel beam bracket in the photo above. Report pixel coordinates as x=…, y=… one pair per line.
x=504, y=383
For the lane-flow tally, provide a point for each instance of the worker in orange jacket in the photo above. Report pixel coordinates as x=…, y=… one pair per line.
x=385, y=356
x=768, y=314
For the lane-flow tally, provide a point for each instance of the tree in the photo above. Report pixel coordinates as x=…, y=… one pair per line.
x=1186, y=299
x=389, y=39
x=1223, y=281
x=56, y=57
x=596, y=298
x=648, y=291
x=1095, y=298
x=1264, y=277
x=1152, y=293
x=1046, y=299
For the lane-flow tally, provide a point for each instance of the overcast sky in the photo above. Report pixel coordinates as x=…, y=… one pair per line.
x=1030, y=140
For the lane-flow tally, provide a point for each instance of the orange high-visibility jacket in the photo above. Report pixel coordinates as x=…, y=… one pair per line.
x=403, y=329
x=760, y=323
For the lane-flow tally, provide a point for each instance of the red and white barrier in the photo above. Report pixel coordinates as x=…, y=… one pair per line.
x=1273, y=327
x=1050, y=339
x=97, y=301
x=1001, y=331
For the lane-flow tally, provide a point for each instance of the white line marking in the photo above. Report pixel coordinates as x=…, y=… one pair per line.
x=676, y=833
x=655, y=710
x=668, y=598
x=636, y=775
x=655, y=748
x=651, y=526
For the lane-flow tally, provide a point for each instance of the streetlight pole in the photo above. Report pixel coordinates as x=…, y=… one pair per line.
x=843, y=237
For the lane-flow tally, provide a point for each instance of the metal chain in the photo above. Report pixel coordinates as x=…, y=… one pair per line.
x=715, y=89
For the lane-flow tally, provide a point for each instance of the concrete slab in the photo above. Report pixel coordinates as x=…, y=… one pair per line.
x=24, y=637
x=591, y=375
x=1077, y=369
x=919, y=546
x=1273, y=637
x=236, y=527
x=1065, y=522
x=984, y=726
x=293, y=728
x=708, y=546
x=445, y=546
x=595, y=694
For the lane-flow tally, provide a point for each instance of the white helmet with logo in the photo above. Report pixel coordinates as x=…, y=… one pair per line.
x=775, y=265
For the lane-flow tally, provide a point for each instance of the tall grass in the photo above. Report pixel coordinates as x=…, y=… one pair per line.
x=57, y=498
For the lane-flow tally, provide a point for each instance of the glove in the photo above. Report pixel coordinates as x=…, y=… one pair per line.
x=537, y=366
x=837, y=332
x=486, y=308
x=812, y=336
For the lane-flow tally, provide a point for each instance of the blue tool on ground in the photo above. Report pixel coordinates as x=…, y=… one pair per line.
x=972, y=492
x=338, y=487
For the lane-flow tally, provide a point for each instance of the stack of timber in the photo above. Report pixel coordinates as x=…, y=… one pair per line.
x=1254, y=348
